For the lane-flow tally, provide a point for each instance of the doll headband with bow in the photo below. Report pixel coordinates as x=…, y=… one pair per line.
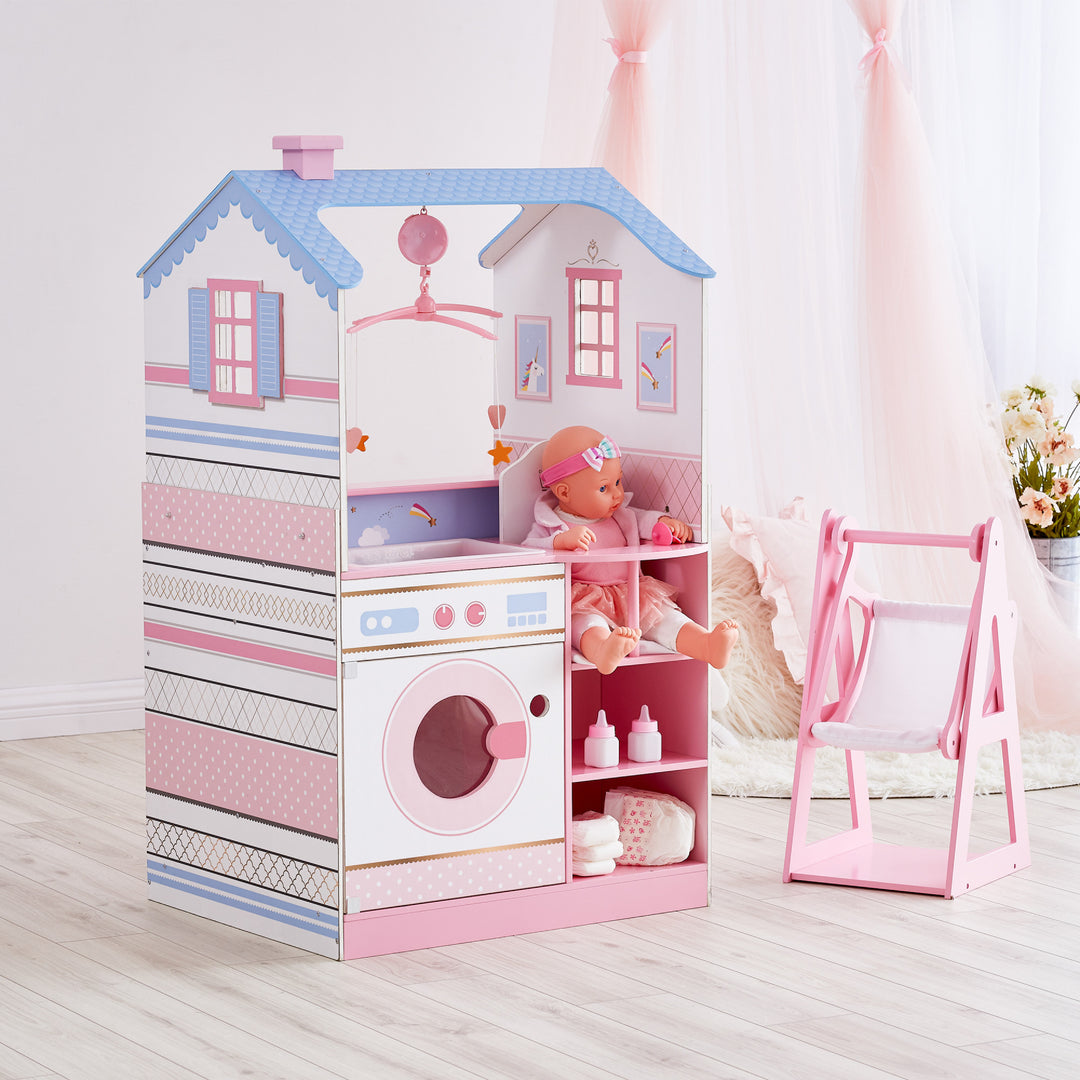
x=593, y=457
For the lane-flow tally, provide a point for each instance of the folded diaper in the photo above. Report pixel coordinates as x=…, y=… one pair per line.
x=592, y=867
x=592, y=852
x=655, y=829
x=592, y=828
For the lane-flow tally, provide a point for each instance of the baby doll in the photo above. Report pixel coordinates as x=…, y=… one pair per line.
x=584, y=504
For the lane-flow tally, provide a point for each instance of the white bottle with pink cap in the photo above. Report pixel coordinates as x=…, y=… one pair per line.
x=602, y=744
x=643, y=743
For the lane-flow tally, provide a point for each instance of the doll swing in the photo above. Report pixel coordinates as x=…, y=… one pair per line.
x=917, y=678
x=423, y=240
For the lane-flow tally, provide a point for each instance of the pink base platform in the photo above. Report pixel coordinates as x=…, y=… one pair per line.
x=626, y=894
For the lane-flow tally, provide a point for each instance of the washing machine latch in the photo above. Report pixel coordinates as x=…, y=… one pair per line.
x=506, y=741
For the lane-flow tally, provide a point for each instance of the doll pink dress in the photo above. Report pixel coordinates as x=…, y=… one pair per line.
x=598, y=590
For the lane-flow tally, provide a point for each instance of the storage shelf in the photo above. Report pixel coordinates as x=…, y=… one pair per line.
x=579, y=771
x=623, y=875
x=646, y=551
x=664, y=657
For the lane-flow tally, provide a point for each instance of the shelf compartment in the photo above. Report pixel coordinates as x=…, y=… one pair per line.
x=580, y=772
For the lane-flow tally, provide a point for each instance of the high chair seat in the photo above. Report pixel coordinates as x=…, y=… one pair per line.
x=913, y=678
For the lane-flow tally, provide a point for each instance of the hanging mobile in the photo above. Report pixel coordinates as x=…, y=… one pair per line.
x=423, y=240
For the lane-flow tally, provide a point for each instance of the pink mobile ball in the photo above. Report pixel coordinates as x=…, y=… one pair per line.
x=422, y=239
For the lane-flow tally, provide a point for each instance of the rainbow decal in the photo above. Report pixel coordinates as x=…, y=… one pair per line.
x=647, y=374
x=665, y=346
x=418, y=511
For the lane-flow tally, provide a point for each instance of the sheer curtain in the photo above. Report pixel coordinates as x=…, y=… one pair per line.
x=765, y=113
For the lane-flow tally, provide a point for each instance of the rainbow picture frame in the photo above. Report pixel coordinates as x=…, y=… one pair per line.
x=532, y=357
x=656, y=366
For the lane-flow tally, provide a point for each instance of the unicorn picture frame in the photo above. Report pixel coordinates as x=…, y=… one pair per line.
x=532, y=345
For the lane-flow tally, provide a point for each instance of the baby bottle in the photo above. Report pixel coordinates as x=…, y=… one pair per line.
x=643, y=743
x=602, y=744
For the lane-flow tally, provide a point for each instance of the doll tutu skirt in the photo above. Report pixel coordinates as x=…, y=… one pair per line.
x=656, y=599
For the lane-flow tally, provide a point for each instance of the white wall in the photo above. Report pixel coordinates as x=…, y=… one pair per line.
x=120, y=116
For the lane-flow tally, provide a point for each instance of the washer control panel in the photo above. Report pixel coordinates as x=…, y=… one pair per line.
x=443, y=612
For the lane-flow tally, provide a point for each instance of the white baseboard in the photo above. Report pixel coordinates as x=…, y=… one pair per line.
x=37, y=712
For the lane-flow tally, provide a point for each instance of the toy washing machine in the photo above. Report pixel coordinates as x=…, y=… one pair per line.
x=454, y=741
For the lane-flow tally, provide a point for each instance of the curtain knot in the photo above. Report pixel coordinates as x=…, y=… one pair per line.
x=630, y=56
x=881, y=40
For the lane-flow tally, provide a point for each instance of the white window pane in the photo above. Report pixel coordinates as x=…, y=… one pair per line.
x=607, y=365
x=587, y=361
x=242, y=305
x=243, y=380
x=608, y=294
x=242, y=341
x=587, y=291
x=607, y=328
x=223, y=304
x=223, y=341
x=588, y=328
x=223, y=378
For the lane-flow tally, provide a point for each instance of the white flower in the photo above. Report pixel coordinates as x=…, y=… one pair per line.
x=1014, y=398
x=1040, y=385
x=1076, y=388
x=1024, y=424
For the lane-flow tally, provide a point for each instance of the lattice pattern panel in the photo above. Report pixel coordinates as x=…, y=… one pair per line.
x=269, y=484
x=665, y=481
x=295, y=722
x=242, y=863
x=655, y=481
x=236, y=601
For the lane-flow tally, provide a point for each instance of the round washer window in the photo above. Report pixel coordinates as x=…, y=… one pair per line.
x=449, y=749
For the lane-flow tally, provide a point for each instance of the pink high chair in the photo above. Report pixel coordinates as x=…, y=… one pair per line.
x=913, y=678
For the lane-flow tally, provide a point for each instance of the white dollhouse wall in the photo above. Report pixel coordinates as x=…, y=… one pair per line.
x=309, y=344
x=530, y=279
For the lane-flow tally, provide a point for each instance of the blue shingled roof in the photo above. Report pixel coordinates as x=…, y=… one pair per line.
x=286, y=209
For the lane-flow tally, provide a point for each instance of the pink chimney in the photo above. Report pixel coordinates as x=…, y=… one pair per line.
x=311, y=157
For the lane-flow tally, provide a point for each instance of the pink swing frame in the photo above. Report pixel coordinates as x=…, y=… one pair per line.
x=853, y=856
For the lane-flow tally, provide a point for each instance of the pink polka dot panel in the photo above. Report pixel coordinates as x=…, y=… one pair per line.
x=235, y=525
x=257, y=777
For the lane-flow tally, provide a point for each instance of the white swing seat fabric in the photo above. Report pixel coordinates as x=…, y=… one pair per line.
x=908, y=681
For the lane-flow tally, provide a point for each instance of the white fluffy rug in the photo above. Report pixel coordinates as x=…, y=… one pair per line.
x=764, y=767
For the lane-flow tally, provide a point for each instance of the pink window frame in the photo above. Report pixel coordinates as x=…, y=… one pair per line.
x=573, y=276
x=233, y=286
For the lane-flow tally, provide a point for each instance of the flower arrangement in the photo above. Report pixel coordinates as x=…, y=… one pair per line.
x=1045, y=463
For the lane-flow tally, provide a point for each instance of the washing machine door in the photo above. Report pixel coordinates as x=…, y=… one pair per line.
x=456, y=746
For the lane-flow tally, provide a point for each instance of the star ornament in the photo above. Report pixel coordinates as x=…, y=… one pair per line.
x=500, y=453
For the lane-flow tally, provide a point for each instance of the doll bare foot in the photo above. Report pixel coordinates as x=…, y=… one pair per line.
x=607, y=650
x=713, y=646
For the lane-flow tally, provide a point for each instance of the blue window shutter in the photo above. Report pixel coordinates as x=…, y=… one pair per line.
x=268, y=335
x=199, y=339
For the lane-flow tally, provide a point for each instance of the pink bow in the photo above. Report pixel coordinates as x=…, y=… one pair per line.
x=881, y=40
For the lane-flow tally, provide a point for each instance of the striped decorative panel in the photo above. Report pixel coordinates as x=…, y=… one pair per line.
x=243, y=862
x=246, y=711
x=275, y=485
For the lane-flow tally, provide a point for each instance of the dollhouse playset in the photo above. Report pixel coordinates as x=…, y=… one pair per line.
x=365, y=721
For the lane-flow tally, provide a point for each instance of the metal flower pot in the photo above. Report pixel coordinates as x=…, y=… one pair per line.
x=1061, y=557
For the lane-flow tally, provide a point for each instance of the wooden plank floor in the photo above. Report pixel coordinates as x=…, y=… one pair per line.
x=770, y=981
